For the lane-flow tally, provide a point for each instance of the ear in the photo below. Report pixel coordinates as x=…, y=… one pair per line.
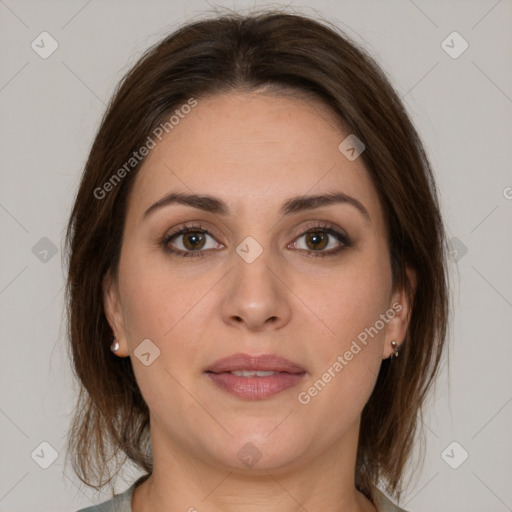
x=397, y=326
x=113, y=312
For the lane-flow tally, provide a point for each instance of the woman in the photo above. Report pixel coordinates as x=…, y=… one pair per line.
x=255, y=240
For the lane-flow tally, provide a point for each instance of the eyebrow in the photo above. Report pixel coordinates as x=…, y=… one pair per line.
x=293, y=205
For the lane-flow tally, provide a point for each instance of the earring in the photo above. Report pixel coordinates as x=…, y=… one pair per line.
x=115, y=345
x=396, y=348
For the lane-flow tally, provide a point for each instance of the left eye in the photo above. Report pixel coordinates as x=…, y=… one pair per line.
x=325, y=240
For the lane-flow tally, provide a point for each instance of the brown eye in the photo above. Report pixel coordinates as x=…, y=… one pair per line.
x=194, y=240
x=190, y=241
x=321, y=241
x=317, y=240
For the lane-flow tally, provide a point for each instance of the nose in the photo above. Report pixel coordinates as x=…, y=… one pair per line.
x=255, y=295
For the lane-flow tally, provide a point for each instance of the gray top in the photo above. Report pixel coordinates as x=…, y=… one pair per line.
x=123, y=502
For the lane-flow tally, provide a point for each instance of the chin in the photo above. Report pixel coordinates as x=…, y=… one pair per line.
x=260, y=449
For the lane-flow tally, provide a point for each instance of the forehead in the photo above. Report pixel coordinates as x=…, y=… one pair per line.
x=253, y=150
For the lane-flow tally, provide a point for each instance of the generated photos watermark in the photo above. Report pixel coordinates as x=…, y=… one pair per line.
x=342, y=360
x=143, y=151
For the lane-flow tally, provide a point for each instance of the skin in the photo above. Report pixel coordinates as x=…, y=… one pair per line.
x=253, y=151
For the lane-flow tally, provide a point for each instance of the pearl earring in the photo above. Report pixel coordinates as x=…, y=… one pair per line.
x=115, y=345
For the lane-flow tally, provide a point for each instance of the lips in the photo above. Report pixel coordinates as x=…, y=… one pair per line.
x=255, y=377
x=261, y=362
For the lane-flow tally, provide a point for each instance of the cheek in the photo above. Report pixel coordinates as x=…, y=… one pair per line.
x=351, y=299
x=346, y=363
x=165, y=307
x=155, y=295
x=155, y=307
x=144, y=309
x=347, y=358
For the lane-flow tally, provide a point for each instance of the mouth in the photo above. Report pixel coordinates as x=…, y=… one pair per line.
x=256, y=373
x=255, y=377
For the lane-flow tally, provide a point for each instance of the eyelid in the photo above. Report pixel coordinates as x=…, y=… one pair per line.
x=321, y=224
x=191, y=226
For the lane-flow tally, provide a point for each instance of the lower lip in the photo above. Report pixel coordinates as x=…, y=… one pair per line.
x=255, y=388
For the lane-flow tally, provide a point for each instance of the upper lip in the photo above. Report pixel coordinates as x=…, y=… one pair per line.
x=259, y=362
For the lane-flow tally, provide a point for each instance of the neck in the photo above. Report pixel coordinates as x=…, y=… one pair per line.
x=182, y=481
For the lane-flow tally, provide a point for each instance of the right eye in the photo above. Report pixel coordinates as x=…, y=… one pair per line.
x=193, y=240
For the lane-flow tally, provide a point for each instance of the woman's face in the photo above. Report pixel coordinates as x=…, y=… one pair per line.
x=308, y=281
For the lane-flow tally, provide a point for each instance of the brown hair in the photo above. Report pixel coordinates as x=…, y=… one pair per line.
x=288, y=53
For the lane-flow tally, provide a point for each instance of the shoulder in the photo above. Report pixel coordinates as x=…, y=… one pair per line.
x=384, y=504
x=119, y=502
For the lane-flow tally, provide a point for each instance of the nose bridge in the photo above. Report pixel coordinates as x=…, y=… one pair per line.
x=255, y=294
x=251, y=274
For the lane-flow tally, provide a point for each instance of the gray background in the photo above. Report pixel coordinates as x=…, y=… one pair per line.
x=50, y=109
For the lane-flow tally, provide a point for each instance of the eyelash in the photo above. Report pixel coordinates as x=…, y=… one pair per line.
x=325, y=228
